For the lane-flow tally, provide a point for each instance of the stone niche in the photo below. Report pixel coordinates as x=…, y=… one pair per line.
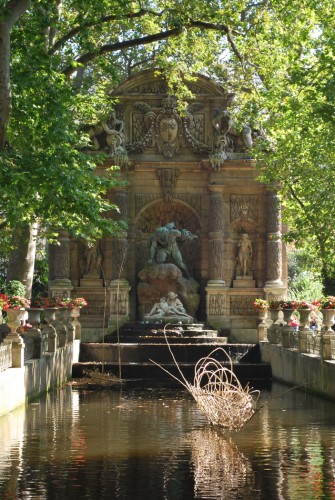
x=193, y=170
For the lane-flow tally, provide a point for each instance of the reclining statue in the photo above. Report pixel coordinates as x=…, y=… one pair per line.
x=169, y=306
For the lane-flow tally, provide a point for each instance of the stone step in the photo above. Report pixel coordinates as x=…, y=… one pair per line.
x=138, y=329
x=183, y=352
x=158, y=339
x=147, y=374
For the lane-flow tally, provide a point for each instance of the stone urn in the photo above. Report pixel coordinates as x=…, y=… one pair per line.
x=69, y=325
x=34, y=315
x=50, y=314
x=48, y=329
x=273, y=328
x=287, y=312
x=328, y=320
x=60, y=325
x=14, y=318
x=34, y=333
x=304, y=319
x=262, y=325
x=273, y=314
x=75, y=313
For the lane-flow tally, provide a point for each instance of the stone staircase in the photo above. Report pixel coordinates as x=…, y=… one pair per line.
x=139, y=343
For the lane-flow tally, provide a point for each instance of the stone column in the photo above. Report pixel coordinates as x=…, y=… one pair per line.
x=215, y=237
x=216, y=299
x=60, y=284
x=274, y=259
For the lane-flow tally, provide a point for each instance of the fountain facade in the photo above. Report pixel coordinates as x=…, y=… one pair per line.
x=200, y=225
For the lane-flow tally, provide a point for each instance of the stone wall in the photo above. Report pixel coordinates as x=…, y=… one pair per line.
x=304, y=371
x=20, y=385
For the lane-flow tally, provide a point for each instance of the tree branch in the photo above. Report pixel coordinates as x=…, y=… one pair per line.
x=105, y=19
x=90, y=56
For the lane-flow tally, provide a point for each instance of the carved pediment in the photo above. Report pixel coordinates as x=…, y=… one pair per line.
x=165, y=129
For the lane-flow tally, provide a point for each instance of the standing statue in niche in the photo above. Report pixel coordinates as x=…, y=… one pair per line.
x=164, y=244
x=93, y=261
x=244, y=256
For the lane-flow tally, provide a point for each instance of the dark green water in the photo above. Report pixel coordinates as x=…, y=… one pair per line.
x=155, y=444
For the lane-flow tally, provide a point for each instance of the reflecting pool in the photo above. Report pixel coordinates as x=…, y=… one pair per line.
x=155, y=444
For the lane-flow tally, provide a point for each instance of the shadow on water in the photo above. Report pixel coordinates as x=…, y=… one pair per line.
x=155, y=444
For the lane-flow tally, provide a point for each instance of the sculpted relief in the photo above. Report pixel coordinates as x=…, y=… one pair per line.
x=163, y=127
x=108, y=135
x=159, y=125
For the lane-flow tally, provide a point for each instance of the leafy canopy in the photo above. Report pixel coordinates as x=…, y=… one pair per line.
x=278, y=57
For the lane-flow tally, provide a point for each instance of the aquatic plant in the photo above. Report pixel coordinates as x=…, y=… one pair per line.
x=217, y=390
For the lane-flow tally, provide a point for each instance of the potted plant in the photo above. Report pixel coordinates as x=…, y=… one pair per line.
x=327, y=308
x=305, y=308
x=277, y=304
x=260, y=304
x=327, y=302
x=3, y=300
x=15, y=310
x=3, y=303
x=75, y=302
x=16, y=302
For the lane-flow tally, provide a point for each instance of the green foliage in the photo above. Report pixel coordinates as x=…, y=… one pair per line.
x=277, y=56
x=14, y=288
x=304, y=276
x=305, y=286
x=40, y=280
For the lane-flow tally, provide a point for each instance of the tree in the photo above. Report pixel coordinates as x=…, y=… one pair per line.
x=297, y=99
x=276, y=55
x=64, y=49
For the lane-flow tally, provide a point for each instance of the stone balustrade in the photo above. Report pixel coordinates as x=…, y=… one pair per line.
x=36, y=342
x=319, y=342
x=5, y=356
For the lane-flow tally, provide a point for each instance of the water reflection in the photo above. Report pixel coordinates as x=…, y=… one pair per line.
x=156, y=444
x=220, y=469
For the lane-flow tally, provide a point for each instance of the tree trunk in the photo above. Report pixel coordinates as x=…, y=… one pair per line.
x=9, y=14
x=22, y=259
x=4, y=82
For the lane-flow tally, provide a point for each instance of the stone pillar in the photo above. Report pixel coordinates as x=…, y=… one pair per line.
x=59, y=325
x=274, y=258
x=215, y=237
x=326, y=351
x=302, y=341
x=60, y=284
x=216, y=298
